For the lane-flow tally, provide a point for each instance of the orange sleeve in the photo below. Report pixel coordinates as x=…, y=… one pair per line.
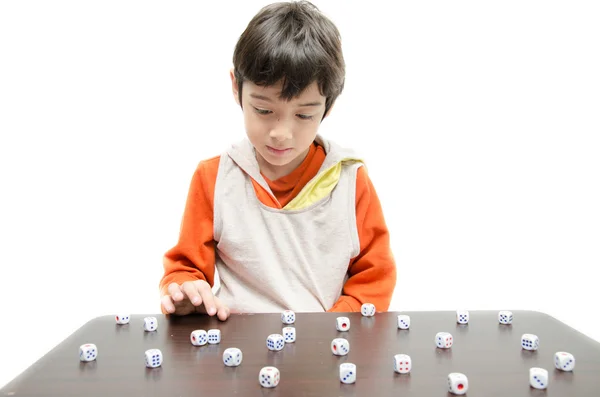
x=193, y=258
x=372, y=273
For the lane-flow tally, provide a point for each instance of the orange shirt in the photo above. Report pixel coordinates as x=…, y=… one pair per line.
x=372, y=273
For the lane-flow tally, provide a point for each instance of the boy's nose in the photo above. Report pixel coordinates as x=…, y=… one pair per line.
x=281, y=132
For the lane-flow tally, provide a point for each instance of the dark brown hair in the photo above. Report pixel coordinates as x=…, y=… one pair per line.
x=295, y=42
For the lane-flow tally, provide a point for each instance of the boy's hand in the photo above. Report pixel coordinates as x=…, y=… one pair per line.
x=193, y=297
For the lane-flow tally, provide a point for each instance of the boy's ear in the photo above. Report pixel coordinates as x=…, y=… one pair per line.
x=234, y=87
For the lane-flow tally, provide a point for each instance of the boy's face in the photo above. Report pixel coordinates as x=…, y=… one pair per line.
x=281, y=132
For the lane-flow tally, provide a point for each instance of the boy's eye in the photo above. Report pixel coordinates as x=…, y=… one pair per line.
x=262, y=111
x=265, y=112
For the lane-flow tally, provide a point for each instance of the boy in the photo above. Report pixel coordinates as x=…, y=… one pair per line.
x=289, y=219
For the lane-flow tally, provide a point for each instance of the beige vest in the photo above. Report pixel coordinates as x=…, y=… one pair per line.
x=270, y=260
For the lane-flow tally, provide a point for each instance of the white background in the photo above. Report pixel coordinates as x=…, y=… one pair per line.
x=479, y=122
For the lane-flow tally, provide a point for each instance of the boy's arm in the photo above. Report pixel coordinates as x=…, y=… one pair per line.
x=193, y=258
x=372, y=273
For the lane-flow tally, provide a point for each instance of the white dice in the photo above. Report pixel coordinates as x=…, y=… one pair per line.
x=538, y=378
x=122, y=318
x=340, y=346
x=88, y=352
x=268, y=377
x=288, y=317
x=347, y=373
x=214, y=336
x=342, y=323
x=154, y=358
x=275, y=342
x=462, y=316
x=402, y=363
x=232, y=357
x=457, y=383
x=530, y=342
x=367, y=309
x=199, y=337
x=564, y=361
x=443, y=340
x=403, y=321
x=289, y=334
x=150, y=324
x=505, y=317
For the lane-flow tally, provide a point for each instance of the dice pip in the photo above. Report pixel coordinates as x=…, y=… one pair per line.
x=122, y=318
x=340, y=346
x=288, y=317
x=530, y=342
x=367, y=309
x=347, y=373
x=505, y=317
x=457, y=383
x=214, y=336
x=154, y=358
x=199, y=337
x=275, y=342
x=232, y=357
x=402, y=363
x=150, y=324
x=462, y=316
x=538, y=378
x=443, y=340
x=268, y=377
x=342, y=323
x=88, y=352
x=289, y=334
x=403, y=321
x=564, y=361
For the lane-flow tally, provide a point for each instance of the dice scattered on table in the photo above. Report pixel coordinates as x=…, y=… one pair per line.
x=199, y=337
x=505, y=317
x=443, y=340
x=268, y=377
x=154, y=358
x=402, y=363
x=340, y=346
x=122, y=318
x=288, y=317
x=458, y=383
x=403, y=321
x=347, y=373
x=367, y=309
x=530, y=342
x=88, y=352
x=462, y=316
x=538, y=378
x=564, y=361
x=232, y=357
x=150, y=324
x=214, y=336
x=342, y=323
x=275, y=342
x=289, y=334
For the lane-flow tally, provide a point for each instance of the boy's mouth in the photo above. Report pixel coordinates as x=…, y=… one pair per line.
x=278, y=151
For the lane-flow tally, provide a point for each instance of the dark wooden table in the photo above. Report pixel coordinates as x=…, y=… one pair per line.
x=487, y=352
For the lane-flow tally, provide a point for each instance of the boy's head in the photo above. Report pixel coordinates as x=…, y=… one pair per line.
x=291, y=54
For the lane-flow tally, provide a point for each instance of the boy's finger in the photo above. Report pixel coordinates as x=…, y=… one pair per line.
x=167, y=304
x=207, y=298
x=190, y=290
x=175, y=291
x=222, y=310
